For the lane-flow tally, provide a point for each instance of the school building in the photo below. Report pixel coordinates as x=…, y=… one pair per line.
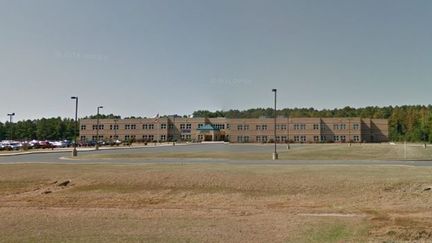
x=256, y=130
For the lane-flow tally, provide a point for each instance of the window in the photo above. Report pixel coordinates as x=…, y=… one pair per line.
x=130, y=126
x=182, y=126
x=188, y=126
x=343, y=138
x=171, y=126
x=302, y=138
x=299, y=126
x=316, y=138
x=114, y=127
x=219, y=126
x=339, y=126
x=83, y=127
x=200, y=125
x=163, y=137
x=296, y=138
x=244, y=127
x=260, y=127
x=127, y=137
x=280, y=127
x=336, y=138
x=163, y=126
x=356, y=126
x=316, y=126
x=323, y=138
x=243, y=139
x=148, y=126
x=101, y=127
x=83, y=138
x=356, y=138
x=284, y=139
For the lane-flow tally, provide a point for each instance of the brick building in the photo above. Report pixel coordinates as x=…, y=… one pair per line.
x=256, y=130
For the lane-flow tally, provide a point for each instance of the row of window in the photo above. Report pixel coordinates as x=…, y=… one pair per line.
x=240, y=139
x=188, y=126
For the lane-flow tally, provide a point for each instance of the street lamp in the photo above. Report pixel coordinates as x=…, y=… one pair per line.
x=349, y=131
x=115, y=129
x=97, y=127
x=74, y=151
x=275, y=154
x=10, y=123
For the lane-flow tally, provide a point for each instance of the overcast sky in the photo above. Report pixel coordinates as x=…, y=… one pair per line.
x=143, y=57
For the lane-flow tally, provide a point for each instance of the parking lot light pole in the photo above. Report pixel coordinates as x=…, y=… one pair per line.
x=275, y=154
x=115, y=129
x=97, y=127
x=75, y=151
x=10, y=123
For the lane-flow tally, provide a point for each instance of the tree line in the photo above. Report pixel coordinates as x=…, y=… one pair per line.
x=40, y=129
x=410, y=122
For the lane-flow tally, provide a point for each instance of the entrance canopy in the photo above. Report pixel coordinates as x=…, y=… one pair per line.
x=208, y=133
x=208, y=127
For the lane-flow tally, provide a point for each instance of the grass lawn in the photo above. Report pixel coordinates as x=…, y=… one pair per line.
x=297, y=152
x=214, y=202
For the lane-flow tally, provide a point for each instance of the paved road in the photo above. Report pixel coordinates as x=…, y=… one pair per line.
x=63, y=157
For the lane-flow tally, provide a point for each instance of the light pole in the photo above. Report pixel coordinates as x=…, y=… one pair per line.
x=115, y=129
x=74, y=151
x=288, y=133
x=349, y=131
x=97, y=127
x=10, y=123
x=275, y=154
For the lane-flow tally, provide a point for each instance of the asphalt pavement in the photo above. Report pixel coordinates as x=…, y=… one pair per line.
x=65, y=157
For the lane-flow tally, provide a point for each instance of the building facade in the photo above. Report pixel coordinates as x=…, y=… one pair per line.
x=259, y=130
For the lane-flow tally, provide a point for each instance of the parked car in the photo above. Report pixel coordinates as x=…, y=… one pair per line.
x=45, y=145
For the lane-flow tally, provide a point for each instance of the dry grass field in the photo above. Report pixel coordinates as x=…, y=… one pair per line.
x=214, y=203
